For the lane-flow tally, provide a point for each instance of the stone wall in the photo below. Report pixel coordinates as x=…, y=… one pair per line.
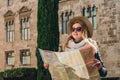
x=18, y=44
x=107, y=33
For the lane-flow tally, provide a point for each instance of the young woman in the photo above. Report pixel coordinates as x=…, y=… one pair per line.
x=80, y=32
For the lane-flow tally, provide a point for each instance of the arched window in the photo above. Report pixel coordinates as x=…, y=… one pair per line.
x=24, y=14
x=84, y=11
x=65, y=17
x=64, y=22
x=62, y=19
x=90, y=13
x=70, y=15
x=9, y=20
x=94, y=17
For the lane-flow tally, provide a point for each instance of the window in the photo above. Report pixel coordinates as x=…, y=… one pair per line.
x=25, y=28
x=9, y=25
x=65, y=20
x=25, y=57
x=64, y=23
x=24, y=15
x=10, y=31
x=10, y=2
x=10, y=59
x=84, y=12
x=70, y=15
x=90, y=13
x=94, y=17
x=62, y=17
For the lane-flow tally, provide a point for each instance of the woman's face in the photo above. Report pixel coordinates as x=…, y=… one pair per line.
x=77, y=32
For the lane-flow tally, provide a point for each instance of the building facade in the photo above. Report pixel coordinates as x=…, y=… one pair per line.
x=105, y=17
x=18, y=34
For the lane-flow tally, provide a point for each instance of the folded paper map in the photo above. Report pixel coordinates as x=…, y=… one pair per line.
x=70, y=65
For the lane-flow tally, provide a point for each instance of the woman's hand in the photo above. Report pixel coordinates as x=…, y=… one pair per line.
x=46, y=65
x=97, y=64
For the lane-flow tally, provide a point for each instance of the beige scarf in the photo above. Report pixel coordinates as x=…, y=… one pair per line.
x=72, y=45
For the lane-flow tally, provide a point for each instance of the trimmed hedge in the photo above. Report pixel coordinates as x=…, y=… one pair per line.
x=18, y=72
x=48, y=33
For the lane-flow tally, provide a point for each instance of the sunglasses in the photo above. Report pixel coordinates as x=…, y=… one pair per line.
x=77, y=29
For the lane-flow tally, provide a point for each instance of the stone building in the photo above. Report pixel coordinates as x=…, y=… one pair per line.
x=18, y=34
x=105, y=17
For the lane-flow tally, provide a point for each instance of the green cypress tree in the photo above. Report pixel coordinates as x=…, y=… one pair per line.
x=48, y=32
